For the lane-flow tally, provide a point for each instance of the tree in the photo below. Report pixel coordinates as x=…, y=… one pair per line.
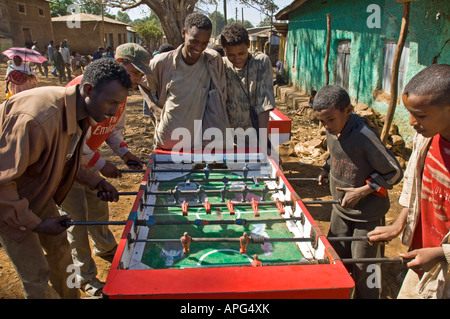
x=172, y=13
x=66, y=7
x=123, y=17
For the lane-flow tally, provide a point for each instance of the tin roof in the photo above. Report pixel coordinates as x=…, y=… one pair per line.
x=86, y=17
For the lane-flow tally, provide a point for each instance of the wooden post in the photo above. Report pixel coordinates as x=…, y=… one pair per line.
x=394, y=74
x=327, y=54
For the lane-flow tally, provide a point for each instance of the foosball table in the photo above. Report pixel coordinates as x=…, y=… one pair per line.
x=222, y=226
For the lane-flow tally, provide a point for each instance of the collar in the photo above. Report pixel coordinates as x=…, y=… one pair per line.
x=70, y=100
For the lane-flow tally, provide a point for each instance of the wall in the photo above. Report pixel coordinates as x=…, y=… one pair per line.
x=429, y=42
x=89, y=36
x=12, y=22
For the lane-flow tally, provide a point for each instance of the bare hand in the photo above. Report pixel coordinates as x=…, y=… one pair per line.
x=354, y=195
x=323, y=177
x=52, y=226
x=107, y=192
x=110, y=170
x=130, y=158
x=424, y=258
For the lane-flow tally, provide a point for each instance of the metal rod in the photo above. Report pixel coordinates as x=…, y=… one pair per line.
x=132, y=170
x=253, y=240
x=313, y=202
x=211, y=170
x=238, y=221
x=223, y=180
x=314, y=179
x=373, y=260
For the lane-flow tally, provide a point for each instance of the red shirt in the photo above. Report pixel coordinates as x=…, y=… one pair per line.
x=434, y=221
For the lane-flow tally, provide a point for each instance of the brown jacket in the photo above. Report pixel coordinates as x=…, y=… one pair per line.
x=37, y=127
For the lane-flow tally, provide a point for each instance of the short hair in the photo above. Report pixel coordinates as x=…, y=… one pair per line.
x=197, y=20
x=434, y=80
x=165, y=47
x=331, y=96
x=103, y=71
x=234, y=34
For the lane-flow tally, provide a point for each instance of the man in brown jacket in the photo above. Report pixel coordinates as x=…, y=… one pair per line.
x=41, y=138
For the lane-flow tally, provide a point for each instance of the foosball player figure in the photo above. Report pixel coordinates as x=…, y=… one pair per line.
x=244, y=240
x=256, y=262
x=186, y=241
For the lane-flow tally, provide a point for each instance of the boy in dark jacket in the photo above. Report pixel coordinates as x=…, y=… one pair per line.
x=360, y=169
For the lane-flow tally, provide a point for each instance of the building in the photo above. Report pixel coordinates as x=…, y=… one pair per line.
x=363, y=39
x=86, y=32
x=25, y=21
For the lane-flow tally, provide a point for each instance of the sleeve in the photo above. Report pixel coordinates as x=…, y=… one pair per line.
x=387, y=172
x=265, y=98
x=18, y=148
x=115, y=139
x=149, y=89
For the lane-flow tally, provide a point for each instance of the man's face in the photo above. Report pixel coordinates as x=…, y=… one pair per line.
x=103, y=102
x=334, y=120
x=237, y=54
x=427, y=118
x=135, y=74
x=195, y=42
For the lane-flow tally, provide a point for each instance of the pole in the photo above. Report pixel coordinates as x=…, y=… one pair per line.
x=327, y=54
x=225, y=11
x=394, y=74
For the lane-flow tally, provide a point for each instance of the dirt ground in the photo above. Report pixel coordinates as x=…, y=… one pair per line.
x=139, y=136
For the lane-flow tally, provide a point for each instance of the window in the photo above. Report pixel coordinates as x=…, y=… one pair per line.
x=21, y=8
x=389, y=52
x=343, y=64
x=41, y=12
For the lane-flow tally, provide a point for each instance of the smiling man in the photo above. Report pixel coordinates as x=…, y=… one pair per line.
x=41, y=141
x=249, y=81
x=188, y=84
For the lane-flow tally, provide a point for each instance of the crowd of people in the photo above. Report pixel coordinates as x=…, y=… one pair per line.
x=52, y=170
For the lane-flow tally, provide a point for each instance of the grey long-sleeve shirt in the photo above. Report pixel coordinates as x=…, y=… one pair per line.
x=356, y=156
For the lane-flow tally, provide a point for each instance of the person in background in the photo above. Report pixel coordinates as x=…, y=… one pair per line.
x=58, y=63
x=98, y=54
x=50, y=52
x=19, y=77
x=109, y=53
x=66, y=57
x=76, y=63
x=35, y=47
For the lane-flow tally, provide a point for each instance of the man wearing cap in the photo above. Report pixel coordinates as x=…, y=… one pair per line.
x=82, y=203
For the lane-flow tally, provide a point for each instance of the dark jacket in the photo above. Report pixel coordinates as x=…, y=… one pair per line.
x=356, y=156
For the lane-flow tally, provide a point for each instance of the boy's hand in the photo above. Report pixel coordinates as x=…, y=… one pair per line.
x=424, y=258
x=52, y=226
x=353, y=195
x=382, y=234
x=323, y=177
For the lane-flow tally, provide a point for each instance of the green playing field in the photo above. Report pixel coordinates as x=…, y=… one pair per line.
x=170, y=254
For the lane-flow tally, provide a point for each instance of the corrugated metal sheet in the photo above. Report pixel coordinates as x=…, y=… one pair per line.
x=389, y=52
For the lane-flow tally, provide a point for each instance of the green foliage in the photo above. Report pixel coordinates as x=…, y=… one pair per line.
x=148, y=30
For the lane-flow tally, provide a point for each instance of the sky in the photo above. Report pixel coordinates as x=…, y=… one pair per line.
x=250, y=14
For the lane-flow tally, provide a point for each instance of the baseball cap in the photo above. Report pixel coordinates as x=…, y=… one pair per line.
x=135, y=54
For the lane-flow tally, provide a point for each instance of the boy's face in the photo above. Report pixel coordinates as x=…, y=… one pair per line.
x=427, y=118
x=333, y=119
x=237, y=54
x=195, y=42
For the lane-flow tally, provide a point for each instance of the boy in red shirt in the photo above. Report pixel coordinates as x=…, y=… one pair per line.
x=425, y=218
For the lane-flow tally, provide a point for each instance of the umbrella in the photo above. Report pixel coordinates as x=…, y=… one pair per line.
x=27, y=55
